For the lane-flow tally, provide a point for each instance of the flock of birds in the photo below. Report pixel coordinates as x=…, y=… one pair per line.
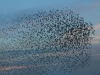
x=51, y=32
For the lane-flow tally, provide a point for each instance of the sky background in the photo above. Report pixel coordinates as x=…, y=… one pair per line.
x=89, y=9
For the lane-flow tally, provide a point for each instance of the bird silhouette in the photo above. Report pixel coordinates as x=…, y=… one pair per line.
x=57, y=37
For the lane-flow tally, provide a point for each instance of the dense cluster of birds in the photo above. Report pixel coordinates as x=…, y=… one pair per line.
x=53, y=33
